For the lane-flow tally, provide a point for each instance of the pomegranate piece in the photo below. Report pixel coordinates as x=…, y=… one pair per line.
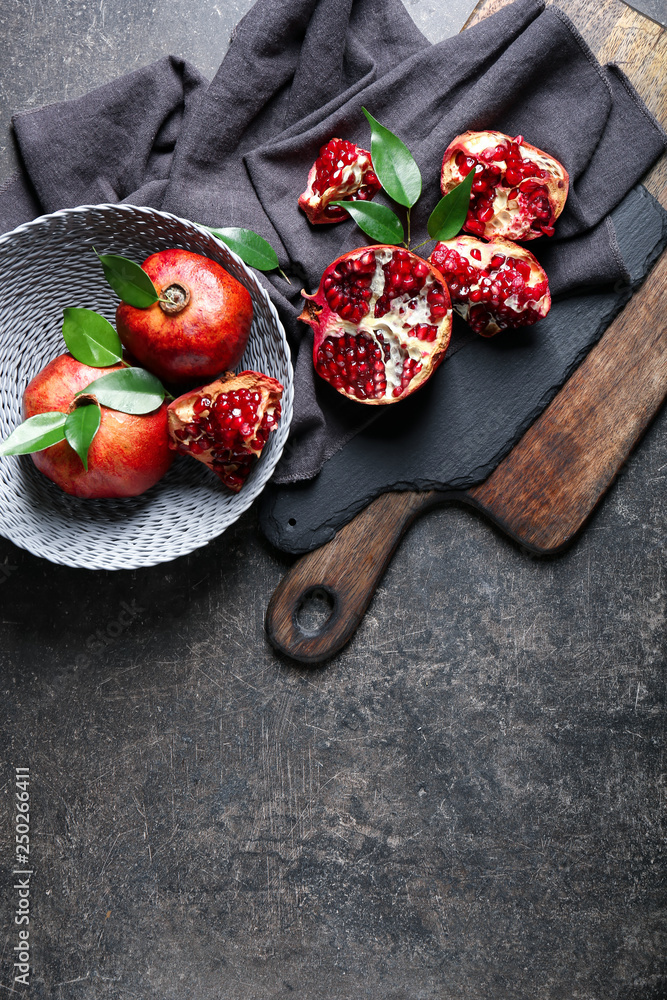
x=382, y=320
x=226, y=424
x=201, y=327
x=129, y=453
x=342, y=172
x=493, y=285
x=518, y=191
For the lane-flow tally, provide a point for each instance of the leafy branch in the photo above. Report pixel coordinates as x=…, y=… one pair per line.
x=400, y=178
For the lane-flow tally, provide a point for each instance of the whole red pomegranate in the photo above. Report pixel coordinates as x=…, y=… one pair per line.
x=518, y=191
x=200, y=326
x=128, y=455
x=493, y=285
x=226, y=424
x=342, y=172
x=382, y=319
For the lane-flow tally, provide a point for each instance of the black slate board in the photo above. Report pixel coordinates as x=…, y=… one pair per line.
x=455, y=431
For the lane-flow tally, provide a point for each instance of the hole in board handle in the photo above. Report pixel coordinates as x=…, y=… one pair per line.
x=314, y=611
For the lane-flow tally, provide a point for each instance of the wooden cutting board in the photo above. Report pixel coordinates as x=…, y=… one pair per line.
x=543, y=491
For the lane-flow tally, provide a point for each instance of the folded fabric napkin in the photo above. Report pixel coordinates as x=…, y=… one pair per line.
x=236, y=152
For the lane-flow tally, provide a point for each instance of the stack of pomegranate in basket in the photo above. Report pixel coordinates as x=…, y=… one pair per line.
x=100, y=426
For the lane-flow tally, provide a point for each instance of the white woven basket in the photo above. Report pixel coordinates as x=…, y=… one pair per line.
x=49, y=264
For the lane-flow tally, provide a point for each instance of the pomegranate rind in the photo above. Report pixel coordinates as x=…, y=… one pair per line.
x=206, y=338
x=512, y=218
x=187, y=419
x=129, y=454
x=404, y=341
x=354, y=181
x=517, y=311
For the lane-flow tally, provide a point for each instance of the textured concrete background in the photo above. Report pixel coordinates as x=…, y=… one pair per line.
x=466, y=803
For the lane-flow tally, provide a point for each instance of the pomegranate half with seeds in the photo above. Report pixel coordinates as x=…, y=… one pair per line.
x=382, y=319
x=518, y=191
x=493, y=285
x=226, y=424
x=342, y=172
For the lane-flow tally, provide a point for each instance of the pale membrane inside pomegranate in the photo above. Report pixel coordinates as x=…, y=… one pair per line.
x=382, y=321
x=523, y=207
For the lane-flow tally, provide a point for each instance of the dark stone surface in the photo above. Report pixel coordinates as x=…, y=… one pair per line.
x=465, y=803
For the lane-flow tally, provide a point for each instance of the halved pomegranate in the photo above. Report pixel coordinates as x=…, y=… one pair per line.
x=342, y=172
x=518, y=192
x=493, y=285
x=382, y=319
x=226, y=424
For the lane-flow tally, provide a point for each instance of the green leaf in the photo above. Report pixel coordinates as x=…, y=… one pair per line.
x=394, y=164
x=130, y=390
x=35, y=434
x=249, y=246
x=129, y=281
x=449, y=214
x=81, y=427
x=91, y=338
x=377, y=221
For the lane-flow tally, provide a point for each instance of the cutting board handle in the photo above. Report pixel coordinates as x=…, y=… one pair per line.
x=344, y=574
